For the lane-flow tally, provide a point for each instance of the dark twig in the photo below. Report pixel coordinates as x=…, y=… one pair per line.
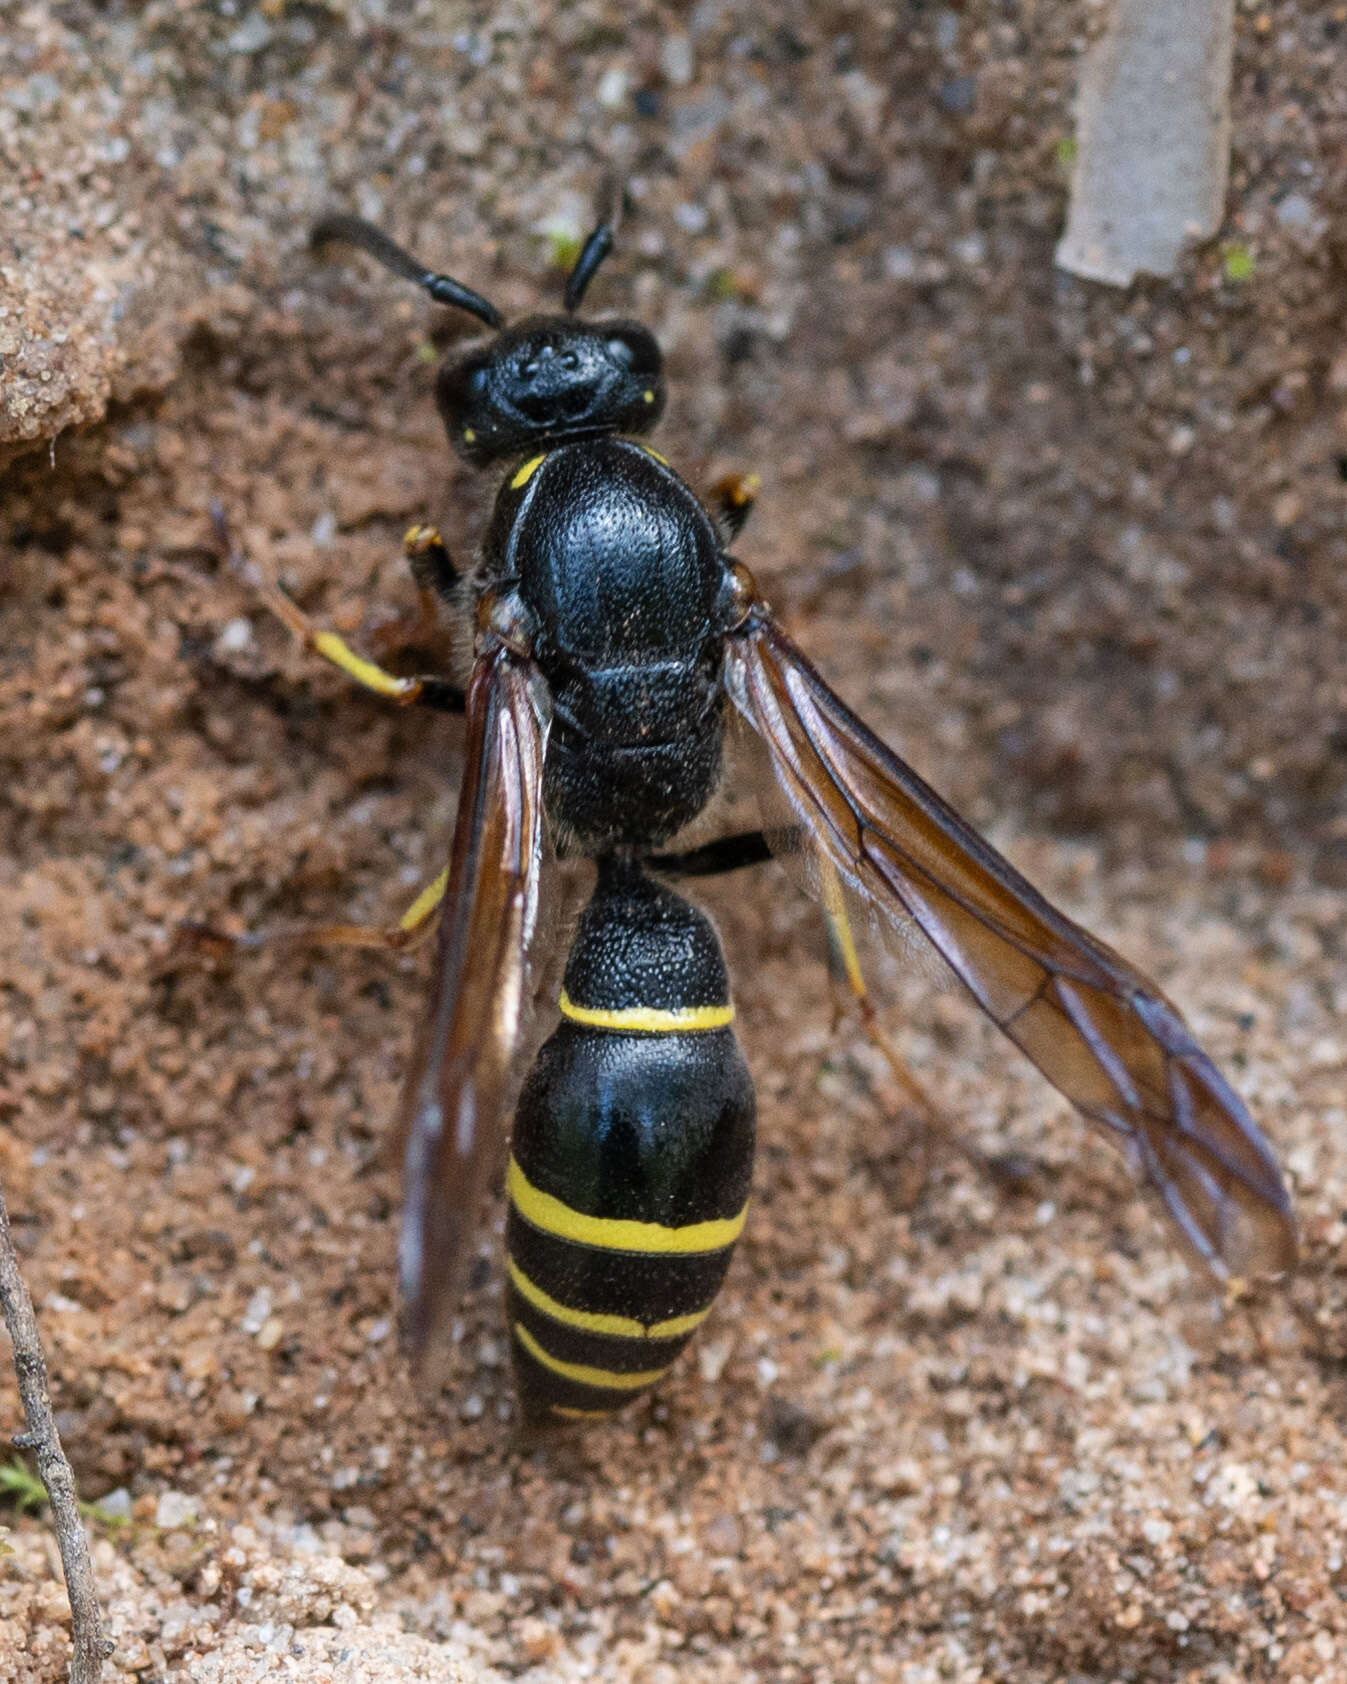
x=41, y=1437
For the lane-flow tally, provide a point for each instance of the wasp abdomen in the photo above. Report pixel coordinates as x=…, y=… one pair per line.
x=633, y=1149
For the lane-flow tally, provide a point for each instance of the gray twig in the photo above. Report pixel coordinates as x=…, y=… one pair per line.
x=41, y=1437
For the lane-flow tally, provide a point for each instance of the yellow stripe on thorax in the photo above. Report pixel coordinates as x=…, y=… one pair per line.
x=525, y=474
x=615, y=1233
x=581, y=1371
x=593, y=1321
x=647, y=1020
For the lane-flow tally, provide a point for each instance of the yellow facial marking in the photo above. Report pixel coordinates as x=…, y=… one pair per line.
x=607, y=1378
x=648, y=396
x=526, y=473
x=469, y=437
x=615, y=1233
x=647, y=1020
x=662, y=460
x=591, y=1321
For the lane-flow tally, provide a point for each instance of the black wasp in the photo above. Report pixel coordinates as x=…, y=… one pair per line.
x=614, y=639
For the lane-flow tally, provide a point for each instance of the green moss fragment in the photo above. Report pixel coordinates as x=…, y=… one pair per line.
x=1237, y=262
x=562, y=250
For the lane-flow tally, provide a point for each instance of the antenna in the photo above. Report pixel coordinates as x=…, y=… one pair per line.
x=354, y=231
x=598, y=243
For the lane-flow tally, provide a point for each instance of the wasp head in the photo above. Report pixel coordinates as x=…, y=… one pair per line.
x=549, y=379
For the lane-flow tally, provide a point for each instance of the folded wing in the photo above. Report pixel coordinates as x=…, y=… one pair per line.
x=1096, y=1028
x=453, y=1118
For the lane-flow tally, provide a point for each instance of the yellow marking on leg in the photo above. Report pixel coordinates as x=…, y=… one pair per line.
x=647, y=1020
x=425, y=903
x=419, y=537
x=606, y=1378
x=526, y=473
x=579, y=1414
x=592, y=1321
x=650, y=450
x=434, y=572
x=302, y=628
x=373, y=677
x=614, y=1233
x=834, y=907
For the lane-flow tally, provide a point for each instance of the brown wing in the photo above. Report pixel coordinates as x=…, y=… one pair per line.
x=453, y=1113
x=1096, y=1028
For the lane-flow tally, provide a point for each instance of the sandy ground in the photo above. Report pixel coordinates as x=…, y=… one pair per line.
x=963, y=1412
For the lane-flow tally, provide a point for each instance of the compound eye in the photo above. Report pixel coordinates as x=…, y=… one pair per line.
x=464, y=395
x=634, y=350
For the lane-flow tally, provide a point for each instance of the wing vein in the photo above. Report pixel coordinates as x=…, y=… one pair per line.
x=1096, y=1028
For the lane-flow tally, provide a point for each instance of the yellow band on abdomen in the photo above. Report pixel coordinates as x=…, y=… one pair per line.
x=595, y=1321
x=608, y=1379
x=647, y=1020
x=615, y=1233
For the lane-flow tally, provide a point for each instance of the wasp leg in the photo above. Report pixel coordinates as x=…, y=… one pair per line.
x=416, y=923
x=427, y=689
x=751, y=847
x=726, y=853
x=731, y=501
x=432, y=567
x=842, y=956
x=1009, y=1169
x=437, y=580
x=842, y=950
